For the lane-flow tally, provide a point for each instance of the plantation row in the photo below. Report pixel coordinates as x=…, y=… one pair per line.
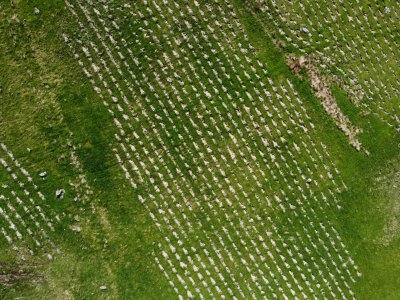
x=26, y=220
x=355, y=42
x=225, y=159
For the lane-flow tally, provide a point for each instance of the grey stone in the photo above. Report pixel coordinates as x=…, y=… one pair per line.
x=16, y=19
x=60, y=193
x=305, y=30
x=76, y=228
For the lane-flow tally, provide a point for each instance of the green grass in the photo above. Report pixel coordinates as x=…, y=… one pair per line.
x=363, y=216
x=117, y=239
x=64, y=102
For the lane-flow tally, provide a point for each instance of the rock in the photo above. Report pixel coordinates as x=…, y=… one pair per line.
x=16, y=19
x=37, y=11
x=76, y=228
x=77, y=218
x=103, y=287
x=387, y=10
x=29, y=150
x=309, y=180
x=43, y=174
x=305, y=30
x=60, y=193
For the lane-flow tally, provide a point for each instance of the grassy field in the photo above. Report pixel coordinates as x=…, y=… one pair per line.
x=207, y=190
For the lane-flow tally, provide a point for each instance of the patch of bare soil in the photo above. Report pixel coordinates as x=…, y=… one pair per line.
x=13, y=274
x=322, y=90
x=389, y=186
